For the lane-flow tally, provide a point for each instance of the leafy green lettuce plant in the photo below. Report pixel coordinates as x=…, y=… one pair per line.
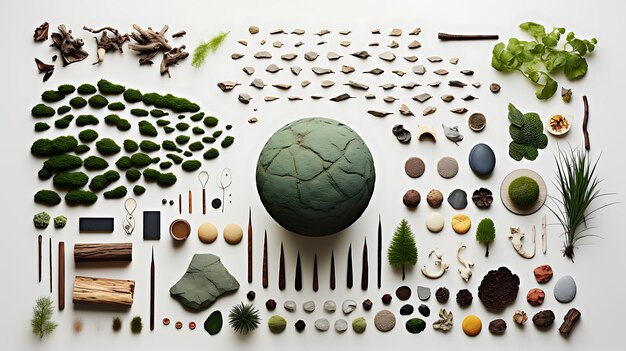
x=536, y=60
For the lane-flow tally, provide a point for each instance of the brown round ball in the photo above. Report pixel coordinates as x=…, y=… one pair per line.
x=411, y=198
x=434, y=198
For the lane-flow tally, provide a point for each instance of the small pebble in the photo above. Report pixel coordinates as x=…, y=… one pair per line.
x=384, y=320
x=348, y=306
x=414, y=44
x=322, y=324
x=497, y=326
x=171, y=202
x=192, y=325
x=411, y=198
x=263, y=55
x=419, y=69
x=178, y=325
x=435, y=59
x=253, y=120
x=414, y=167
x=277, y=324
x=429, y=110
x=403, y=293
x=236, y=56
x=248, y=70
x=359, y=325
x=406, y=309
x=330, y=306
x=367, y=304
x=277, y=44
x=458, y=199
x=386, y=299
x=543, y=274
x=424, y=310
x=396, y=32
x=476, y=84
x=543, y=319
x=442, y=294
x=472, y=325
x=447, y=167
x=253, y=29
x=423, y=293
x=535, y=297
x=454, y=60
x=494, y=87
x=290, y=305
x=164, y=201
x=341, y=325
x=434, y=222
x=565, y=289
x=308, y=306
x=300, y=325
x=270, y=304
x=251, y=295
x=233, y=233
x=410, y=58
x=434, y=198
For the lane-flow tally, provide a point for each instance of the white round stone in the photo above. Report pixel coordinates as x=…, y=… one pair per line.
x=435, y=222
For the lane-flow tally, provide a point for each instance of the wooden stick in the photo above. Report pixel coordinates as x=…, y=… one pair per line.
x=447, y=36
x=249, y=244
x=349, y=275
x=365, y=268
x=91, y=290
x=103, y=252
x=203, y=201
x=569, y=321
x=190, y=201
x=585, y=121
x=61, y=275
x=316, y=285
x=281, y=269
x=152, y=291
x=180, y=203
x=39, y=244
x=298, y=280
x=50, y=253
x=332, y=270
x=380, y=252
x=265, y=278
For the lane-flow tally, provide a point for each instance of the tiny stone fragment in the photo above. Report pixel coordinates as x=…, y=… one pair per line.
x=282, y=86
x=308, y=306
x=270, y=98
x=434, y=84
x=414, y=44
x=375, y=71
x=445, y=321
x=476, y=84
x=393, y=44
x=295, y=70
x=249, y=70
x=456, y=83
x=321, y=70
x=331, y=56
x=469, y=98
x=452, y=133
x=341, y=325
x=357, y=85
x=278, y=31
x=410, y=58
x=386, y=299
x=236, y=56
x=347, y=69
x=272, y=68
x=494, y=87
x=298, y=31
x=423, y=310
x=263, y=55
x=322, y=324
x=435, y=59
x=244, y=98
x=535, y=297
x=387, y=86
x=419, y=69
x=321, y=42
x=415, y=31
x=459, y=110
x=305, y=83
x=294, y=98
x=298, y=44
x=341, y=97
x=288, y=57
x=387, y=56
x=258, y=83
x=277, y=44
x=398, y=72
x=327, y=84
x=467, y=72
x=543, y=274
x=253, y=29
x=262, y=42
x=454, y=60
x=253, y=120
x=374, y=43
x=367, y=304
x=270, y=304
x=406, y=310
x=447, y=97
x=423, y=292
x=227, y=85
x=377, y=113
x=370, y=96
x=405, y=111
x=322, y=32
x=440, y=72
x=569, y=321
x=361, y=54
x=348, y=306
x=403, y=135
x=429, y=110
x=311, y=56
x=411, y=85
x=389, y=99
x=344, y=43
x=384, y=320
x=251, y=295
x=316, y=97
x=396, y=32
x=330, y=306
x=376, y=31
x=300, y=325
x=345, y=32
x=423, y=97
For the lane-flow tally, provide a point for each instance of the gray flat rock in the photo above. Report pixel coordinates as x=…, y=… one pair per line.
x=341, y=325
x=565, y=289
x=333, y=56
x=348, y=306
x=435, y=59
x=272, y=68
x=290, y=305
x=361, y=54
x=321, y=70
x=387, y=56
x=263, y=55
x=311, y=56
x=423, y=293
x=458, y=199
x=347, y=69
x=330, y=306
x=258, y=83
x=423, y=97
x=410, y=58
x=322, y=324
x=308, y=306
x=289, y=56
x=249, y=70
x=244, y=98
x=419, y=69
x=295, y=70
x=357, y=85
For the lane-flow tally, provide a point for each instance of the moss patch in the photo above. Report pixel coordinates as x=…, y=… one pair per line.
x=52, y=96
x=84, y=120
x=147, y=129
x=138, y=190
x=107, y=146
x=228, y=141
x=139, y=112
x=47, y=197
x=130, y=145
x=63, y=109
x=149, y=146
x=70, y=180
x=88, y=135
x=132, y=95
x=109, y=88
x=41, y=126
x=158, y=113
x=523, y=191
x=78, y=102
x=56, y=146
x=101, y=181
x=80, y=197
x=171, y=102
x=133, y=175
x=98, y=101
x=64, y=122
x=191, y=165
x=116, y=106
x=95, y=163
x=42, y=110
x=116, y=193
x=210, y=121
x=211, y=154
x=62, y=163
x=86, y=89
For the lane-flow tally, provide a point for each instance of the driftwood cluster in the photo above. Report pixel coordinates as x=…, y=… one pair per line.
x=150, y=43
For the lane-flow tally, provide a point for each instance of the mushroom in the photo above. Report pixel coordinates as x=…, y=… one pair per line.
x=466, y=269
x=443, y=267
x=516, y=236
x=106, y=43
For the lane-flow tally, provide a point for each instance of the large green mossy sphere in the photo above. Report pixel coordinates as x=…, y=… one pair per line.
x=524, y=191
x=315, y=176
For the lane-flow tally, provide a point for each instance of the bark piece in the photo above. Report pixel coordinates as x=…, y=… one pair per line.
x=114, y=252
x=171, y=58
x=106, y=43
x=44, y=68
x=71, y=49
x=41, y=32
x=569, y=321
x=89, y=290
x=61, y=275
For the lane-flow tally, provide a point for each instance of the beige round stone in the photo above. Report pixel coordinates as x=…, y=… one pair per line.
x=384, y=320
x=207, y=233
x=434, y=222
x=233, y=233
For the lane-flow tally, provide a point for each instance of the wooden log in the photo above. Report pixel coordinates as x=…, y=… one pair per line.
x=103, y=252
x=89, y=290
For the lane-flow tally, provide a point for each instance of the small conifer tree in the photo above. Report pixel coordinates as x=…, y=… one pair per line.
x=486, y=233
x=402, y=250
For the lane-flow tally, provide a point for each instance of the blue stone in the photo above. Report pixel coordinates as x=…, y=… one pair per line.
x=482, y=160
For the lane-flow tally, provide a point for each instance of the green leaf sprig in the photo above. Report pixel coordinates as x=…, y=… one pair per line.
x=537, y=59
x=201, y=51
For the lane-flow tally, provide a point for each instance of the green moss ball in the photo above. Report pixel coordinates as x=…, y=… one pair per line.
x=228, y=141
x=196, y=146
x=56, y=146
x=63, y=109
x=168, y=145
x=139, y=112
x=211, y=154
x=158, y=113
x=86, y=89
x=41, y=126
x=66, y=89
x=132, y=95
x=47, y=197
x=107, y=146
x=116, y=193
x=140, y=160
x=147, y=129
x=149, y=146
x=136, y=325
x=98, y=101
x=197, y=117
x=109, y=88
x=138, y=190
x=70, y=180
x=78, y=102
x=42, y=110
x=165, y=165
x=162, y=122
x=197, y=131
x=175, y=158
x=88, y=135
x=123, y=163
x=210, y=121
x=81, y=149
x=315, y=176
x=168, y=129
x=85, y=120
x=191, y=165
x=359, y=325
x=524, y=191
x=103, y=180
x=52, y=96
x=80, y=197
x=276, y=324
x=133, y=174
x=95, y=163
x=130, y=145
x=415, y=325
x=64, y=122
x=208, y=140
x=182, y=139
x=182, y=126
x=116, y=106
x=62, y=163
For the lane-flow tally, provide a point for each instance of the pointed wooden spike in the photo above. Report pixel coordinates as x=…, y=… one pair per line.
x=332, y=270
x=315, y=282
x=298, y=282
x=264, y=279
x=349, y=275
x=365, y=268
x=249, y=245
x=380, y=252
x=152, y=290
x=281, y=269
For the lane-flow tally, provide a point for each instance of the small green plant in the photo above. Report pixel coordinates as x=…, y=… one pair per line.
x=523, y=191
x=201, y=51
x=136, y=325
x=42, y=323
x=486, y=233
x=526, y=130
x=244, y=318
x=402, y=249
x=41, y=220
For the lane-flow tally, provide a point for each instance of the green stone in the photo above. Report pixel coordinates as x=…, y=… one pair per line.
x=277, y=324
x=359, y=325
x=213, y=323
x=315, y=176
x=415, y=325
x=205, y=280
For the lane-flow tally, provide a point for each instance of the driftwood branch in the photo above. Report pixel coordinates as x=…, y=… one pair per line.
x=171, y=58
x=447, y=36
x=90, y=290
x=103, y=252
x=71, y=49
x=106, y=43
x=149, y=43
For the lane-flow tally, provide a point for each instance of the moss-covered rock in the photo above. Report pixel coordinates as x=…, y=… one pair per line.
x=211, y=154
x=103, y=180
x=88, y=135
x=191, y=165
x=44, y=174
x=116, y=193
x=182, y=126
x=229, y=127
x=210, y=121
x=116, y=106
x=52, y=96
x=60, y=222
x=124, y=162
x=133, y=174
x=140, y=160
x=108, y=88
x=130, y=145
x=216, y=134
x=208, y=140
x=175, y=158
x=42, y=110
x=158, y=113
x=85, y=120
x=197, y=131
x=139, y=112
x=182, y=139
x=162, y=122
x=81, y=149
x=78, y=102
x=63, y=109
x=168, y=145
x=115, y=120
x=163, y=179
x=41, y=220
x=47, y=197
x=197, y=117
x=62, y=163
x=147, y=129
x=86, y=89
x=107, y=146
x=56, y=146
x=149, y=146
x=80, y=197
x=228, y=141
x=95, y=163
x=187, y=153
x=66, y=89
x=138, y=190
x=196, y=146
x=64, y=122
x=171, y=102
x=165, y=165
x=181, y=117
x=168, y=129
x=132, y=95
x=523, y=191
x=98, y=101
x=41, y=126
x=70, y=180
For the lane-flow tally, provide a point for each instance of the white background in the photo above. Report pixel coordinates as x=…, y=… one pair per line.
x=598, y=267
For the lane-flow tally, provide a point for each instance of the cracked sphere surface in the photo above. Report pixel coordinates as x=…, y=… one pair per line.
x=315, y=176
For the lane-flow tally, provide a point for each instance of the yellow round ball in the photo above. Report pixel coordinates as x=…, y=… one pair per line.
x=472, y=325
x=233, y=233
x=461, y=223
x=207, y=233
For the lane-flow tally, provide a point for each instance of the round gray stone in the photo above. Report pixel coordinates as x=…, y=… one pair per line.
x=423, y=292
x=565, y=289
x=458, y=199
x=308, y=306
x=322, y=324
x=290, y=305
x=482, y=160
x=330, y=306
x=341, y=325
x=447, y=167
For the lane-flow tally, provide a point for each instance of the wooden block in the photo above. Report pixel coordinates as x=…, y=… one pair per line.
x=103, y=252
x=89, y=290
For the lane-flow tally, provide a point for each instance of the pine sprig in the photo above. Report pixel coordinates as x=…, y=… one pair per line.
x=244, y=318
x=200, y=53
x=402, y=249
x=41, y=322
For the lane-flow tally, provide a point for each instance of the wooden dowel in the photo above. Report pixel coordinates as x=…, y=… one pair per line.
x=89, y=290
x=332, y=270
x=349, y=274
x=365, y=269
x=585, y=121
x=190, y=202
x=39, y=244
x=152, y=274
x=61, y=275
x=447, y=36
x=315, y=281
x=103, y=252
x=50, y=254
x=380, y=252
x=249, y=245
x=203, y=201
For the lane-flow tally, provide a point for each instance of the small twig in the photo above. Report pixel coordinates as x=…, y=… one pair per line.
x=585, y=120
x=447, y=36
